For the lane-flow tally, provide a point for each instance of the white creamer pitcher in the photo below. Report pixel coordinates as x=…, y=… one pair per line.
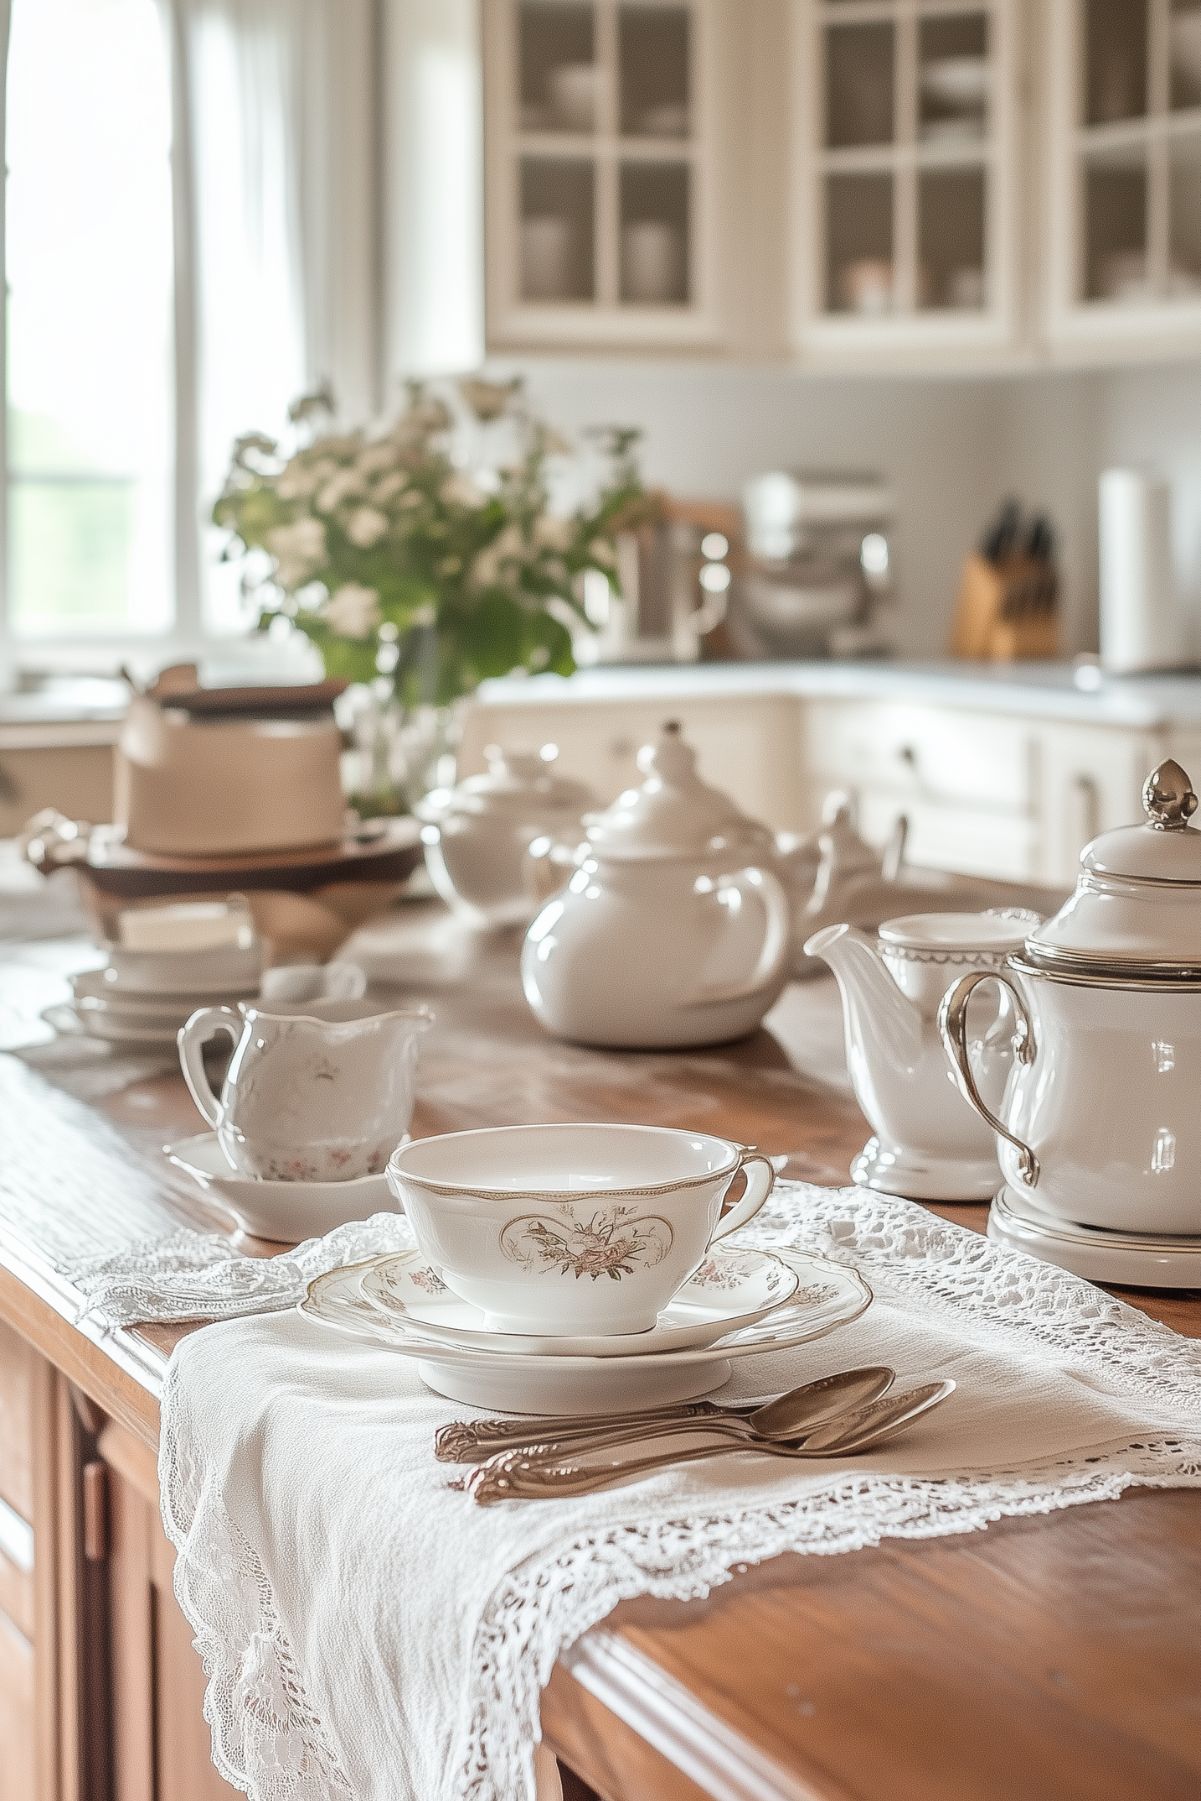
x=317, y=1091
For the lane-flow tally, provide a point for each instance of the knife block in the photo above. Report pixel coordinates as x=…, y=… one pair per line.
x=1007, y=612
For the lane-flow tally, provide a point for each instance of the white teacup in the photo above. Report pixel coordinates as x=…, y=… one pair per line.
x=317, y=1091
x=573, y=1228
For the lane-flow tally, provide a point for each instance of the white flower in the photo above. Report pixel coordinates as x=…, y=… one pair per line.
x=340, y=486
x=376, y=459
x=299, y=480
x=489, y=563
x=388, y=488
x=460, y=490
x=299, y=546
x=353, y=611
x=366, y=526
x=551, y=533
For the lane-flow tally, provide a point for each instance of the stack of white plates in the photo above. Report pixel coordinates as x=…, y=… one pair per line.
x=741, y=1303
x=168, y=962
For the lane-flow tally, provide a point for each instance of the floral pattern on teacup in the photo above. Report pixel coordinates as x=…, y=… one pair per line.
x=614, y=1242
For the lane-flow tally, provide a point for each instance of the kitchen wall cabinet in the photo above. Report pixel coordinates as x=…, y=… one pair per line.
x=841, y=183
x=908, y=132
x=1123, y=243
x=608, y=160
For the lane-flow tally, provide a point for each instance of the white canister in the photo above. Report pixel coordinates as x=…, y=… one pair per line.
x=652, y=263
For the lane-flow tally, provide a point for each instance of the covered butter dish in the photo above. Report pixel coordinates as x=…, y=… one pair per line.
x=476, y=834
x=1099, y=1128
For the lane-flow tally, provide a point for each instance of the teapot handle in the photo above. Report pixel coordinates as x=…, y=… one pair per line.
x=777, y=937
x=952, y=1026
x=193, y=1035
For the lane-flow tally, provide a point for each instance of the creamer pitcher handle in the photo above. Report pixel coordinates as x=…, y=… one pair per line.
x=952, y=1024
x=777, y=937
x=193, y=1035
x=759, y=1183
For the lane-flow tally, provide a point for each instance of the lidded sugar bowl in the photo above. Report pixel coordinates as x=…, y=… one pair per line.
x=477, y=834
x=672, y=929
x=1099, y=1128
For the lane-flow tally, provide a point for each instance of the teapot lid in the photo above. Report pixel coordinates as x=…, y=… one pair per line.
x=515, y=782
x=673, y=813
x=1136, y=910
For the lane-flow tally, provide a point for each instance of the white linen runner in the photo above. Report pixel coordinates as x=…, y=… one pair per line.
x=369, y=1632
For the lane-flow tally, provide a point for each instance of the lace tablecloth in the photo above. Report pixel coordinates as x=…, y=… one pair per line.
x=369, y=1632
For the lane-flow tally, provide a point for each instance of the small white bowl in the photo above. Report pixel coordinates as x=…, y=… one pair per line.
x=285, y=1212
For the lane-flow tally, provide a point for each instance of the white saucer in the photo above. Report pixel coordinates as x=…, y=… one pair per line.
x=829, y=1296
x=91, y=990
x=133, y=1033
x=1129, y=1259
x=284, y=1211
x=732, y=1288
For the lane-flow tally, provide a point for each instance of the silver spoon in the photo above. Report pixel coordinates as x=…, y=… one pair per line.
x=515, y=1475
x=471, y=1441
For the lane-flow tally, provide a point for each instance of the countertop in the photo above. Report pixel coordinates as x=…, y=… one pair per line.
x=1043, y=690
x=1057, y=1653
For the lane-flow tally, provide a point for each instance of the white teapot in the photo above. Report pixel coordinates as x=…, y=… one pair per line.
x=1100, y=1123
x=673, y=929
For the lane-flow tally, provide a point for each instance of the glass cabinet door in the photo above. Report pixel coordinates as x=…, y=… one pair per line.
x=599, y=148
x=910, y=149
x=1130, y=160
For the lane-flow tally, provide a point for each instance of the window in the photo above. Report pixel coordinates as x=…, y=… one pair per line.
x=189, y=243
x=89, y=269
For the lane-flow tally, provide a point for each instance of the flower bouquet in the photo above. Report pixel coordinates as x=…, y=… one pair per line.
x=424, y=557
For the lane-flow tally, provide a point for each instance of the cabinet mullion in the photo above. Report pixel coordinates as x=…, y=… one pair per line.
x=1159, y=254
x=905, y=179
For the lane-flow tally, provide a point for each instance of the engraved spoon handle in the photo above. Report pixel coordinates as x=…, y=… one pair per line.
x=469, y=1441
x=512, y=1476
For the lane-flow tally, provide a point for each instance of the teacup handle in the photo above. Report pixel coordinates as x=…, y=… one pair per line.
x=759, y=1183
x=193, y=1035
x=952, y=1025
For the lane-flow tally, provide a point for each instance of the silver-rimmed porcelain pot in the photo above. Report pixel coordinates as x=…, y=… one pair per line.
x=1100, y=1121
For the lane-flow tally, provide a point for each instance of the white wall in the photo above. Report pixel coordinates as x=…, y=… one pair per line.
x=707, y=428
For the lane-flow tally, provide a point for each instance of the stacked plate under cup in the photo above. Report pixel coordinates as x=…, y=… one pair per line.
x=167, y=961
x=587, y=1276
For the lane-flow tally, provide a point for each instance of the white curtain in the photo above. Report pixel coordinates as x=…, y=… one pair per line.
x=276, y=181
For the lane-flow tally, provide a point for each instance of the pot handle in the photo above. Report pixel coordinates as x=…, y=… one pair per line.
x=759, y=1184
x=952, y=1025
x=193, y=1035
x=777, y=936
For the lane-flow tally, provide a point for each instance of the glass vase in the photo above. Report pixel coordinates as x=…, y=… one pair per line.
x=396, y=753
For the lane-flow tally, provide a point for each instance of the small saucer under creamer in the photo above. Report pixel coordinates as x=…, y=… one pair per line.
x=286, y=1212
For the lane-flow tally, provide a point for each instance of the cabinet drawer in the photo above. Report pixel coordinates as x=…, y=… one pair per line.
x=961, y=839
x=745, y=744
x=17, y=1362
x=923, y=753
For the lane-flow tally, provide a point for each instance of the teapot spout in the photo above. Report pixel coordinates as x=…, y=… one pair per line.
x=882, y=1024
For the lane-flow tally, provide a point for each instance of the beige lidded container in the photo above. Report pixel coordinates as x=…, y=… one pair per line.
x=228, y=771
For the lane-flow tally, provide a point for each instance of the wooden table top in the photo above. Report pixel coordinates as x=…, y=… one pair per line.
x=1048, y=1659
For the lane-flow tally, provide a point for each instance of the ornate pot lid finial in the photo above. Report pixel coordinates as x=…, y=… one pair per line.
x=1168, y=798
